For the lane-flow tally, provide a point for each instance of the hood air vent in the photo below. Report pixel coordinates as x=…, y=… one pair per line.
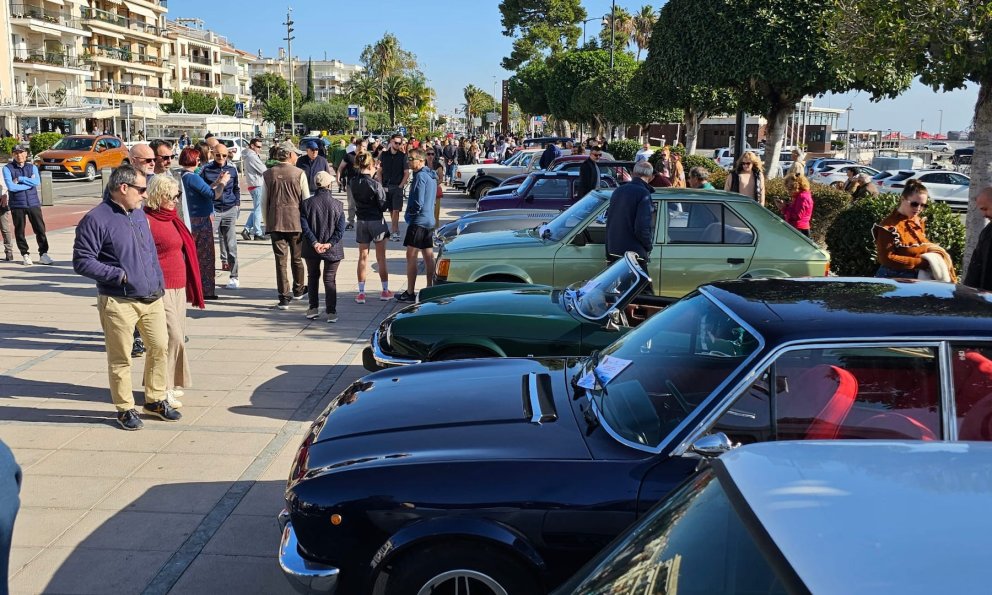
x=539, y=405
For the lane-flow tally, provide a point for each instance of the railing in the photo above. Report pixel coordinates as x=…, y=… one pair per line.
x=96, y=14
x=231, y=90
x=50, y=58
x=144, y=28
x=200, y=82
x=24, y=11
x=205, y=60
x=227, y=68
x=128, y=89
x=106, y=51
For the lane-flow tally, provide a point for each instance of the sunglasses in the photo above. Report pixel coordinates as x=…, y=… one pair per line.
x=177, y=197
x=140, y=189
x=430, y=154
x=166, y=157
x=916, y=204
x=148, y=160
x=220, y=155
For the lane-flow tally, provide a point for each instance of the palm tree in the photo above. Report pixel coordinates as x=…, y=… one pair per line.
x=420, y=92
x=624, y=29
x=396, y=93
x=470, y=93
x=364, y=90
x=643, y=26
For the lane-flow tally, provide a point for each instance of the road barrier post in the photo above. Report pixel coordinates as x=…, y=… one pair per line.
x=47, y=191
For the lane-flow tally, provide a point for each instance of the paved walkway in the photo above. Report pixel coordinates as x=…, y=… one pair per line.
x=184, y=507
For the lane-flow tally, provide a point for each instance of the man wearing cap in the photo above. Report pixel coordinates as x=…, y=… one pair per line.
x=226, y=208
x=22, y=180
x=285, y=191
x=312, y=164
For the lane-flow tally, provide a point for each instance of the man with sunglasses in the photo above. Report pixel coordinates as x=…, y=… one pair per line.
x=114, y=247
x=219, y=173
x=254, y=170
x=394, y=173
x=162, y=149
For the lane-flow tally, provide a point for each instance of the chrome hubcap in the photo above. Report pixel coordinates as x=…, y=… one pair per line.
x=462, y=582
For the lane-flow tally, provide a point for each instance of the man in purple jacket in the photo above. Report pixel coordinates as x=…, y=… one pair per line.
x=114, y=247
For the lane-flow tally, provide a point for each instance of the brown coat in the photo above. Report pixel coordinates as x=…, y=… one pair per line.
x=285, y=189
x=900, y=242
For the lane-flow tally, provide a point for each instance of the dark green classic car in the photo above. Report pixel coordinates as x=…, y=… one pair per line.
x=469, y=320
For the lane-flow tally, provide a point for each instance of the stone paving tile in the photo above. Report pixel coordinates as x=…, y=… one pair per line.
x=265, y=399
x=233, y=443
x=288, y=381
x=221, y=467
x=118, y=530
x=245, y=535
x=165, y=495
x=213, y=574
x=81, y=463
x=265, y=498
x=244, y=417
x=39, y=527
x=18, y=437
x=113, y=439
x=55, y=491
x=20, y=556
x=88, y=571
x=26, y=457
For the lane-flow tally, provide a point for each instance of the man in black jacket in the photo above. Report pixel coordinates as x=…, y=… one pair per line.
x=629, y=224
x=589, y=173
x=979, y=273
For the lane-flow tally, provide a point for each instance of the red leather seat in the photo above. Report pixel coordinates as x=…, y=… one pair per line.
x=973, y=396
x=890, y=426
x=822, y=395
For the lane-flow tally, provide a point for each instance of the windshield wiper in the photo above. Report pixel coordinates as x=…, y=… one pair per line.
x=592, y=422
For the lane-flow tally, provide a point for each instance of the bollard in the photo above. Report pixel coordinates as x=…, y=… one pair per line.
x=104, y=179
x=47, y=191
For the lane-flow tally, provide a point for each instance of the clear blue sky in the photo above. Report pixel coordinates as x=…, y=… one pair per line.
x=460, y=42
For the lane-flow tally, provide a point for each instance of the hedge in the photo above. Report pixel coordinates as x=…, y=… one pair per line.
x=828, y=203
x=700, y=161
x=43, y=141
x=624, y=149
x=852, y=246
x=7, y=145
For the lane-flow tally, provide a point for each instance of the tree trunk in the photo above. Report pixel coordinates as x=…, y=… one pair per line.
x=692, y=120
x=778, y=119
x=981, y=169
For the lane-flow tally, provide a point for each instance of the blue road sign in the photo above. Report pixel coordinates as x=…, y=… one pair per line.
x=403, y=130
x=239, y=110
x=353, y=112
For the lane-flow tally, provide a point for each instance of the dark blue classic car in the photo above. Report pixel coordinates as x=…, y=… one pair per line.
x=506, y=475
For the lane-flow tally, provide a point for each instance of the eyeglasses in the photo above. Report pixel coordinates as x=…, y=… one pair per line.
x=140, y=189
x=915, y=204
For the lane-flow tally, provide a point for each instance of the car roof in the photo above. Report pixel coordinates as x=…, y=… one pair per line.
x=841, y=308
x=871, y=516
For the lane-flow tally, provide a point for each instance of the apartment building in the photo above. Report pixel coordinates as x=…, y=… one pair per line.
x=206, y=62
x=329, y=76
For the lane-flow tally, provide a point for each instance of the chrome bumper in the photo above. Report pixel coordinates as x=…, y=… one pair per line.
x=305, y=575
x=385, y=360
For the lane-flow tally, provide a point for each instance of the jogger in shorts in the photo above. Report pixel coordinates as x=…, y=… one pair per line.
x=420, y=224
x=370, y=202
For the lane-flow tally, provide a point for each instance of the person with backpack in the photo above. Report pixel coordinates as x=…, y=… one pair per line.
x=370, y=203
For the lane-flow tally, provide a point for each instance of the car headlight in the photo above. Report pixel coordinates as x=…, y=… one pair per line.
x=443, y=267
x=388, y=335
x=73, y=160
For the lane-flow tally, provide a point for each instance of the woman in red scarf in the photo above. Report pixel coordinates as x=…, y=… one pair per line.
x=177, y=256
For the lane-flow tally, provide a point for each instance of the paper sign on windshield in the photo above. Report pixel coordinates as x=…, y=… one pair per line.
x=608, y=369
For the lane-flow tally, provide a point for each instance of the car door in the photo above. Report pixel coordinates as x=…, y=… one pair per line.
x=938, y=184
x=547, y=193
x=101, y=154
x=583, y=255
x=958, y=188
x=703, y=241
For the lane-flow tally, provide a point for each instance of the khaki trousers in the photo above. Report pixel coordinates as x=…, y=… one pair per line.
x=177, y=373
x=119, y=317
x=289, y=255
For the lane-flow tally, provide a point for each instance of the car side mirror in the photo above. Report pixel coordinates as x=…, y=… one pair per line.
x=712, y=445
x=529, y=198
x=579, y=239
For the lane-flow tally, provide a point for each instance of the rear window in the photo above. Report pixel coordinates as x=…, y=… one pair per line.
x=900, y=176
x=227, y=143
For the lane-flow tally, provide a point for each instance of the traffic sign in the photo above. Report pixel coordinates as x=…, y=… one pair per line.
x=239, y=110
x=403, y=130
x=492, y=117
x=538, y=118
x=353, y=112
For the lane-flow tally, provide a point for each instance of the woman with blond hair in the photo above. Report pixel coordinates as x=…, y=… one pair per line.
x=798, y=211
x=180, y=269
x=748, y=178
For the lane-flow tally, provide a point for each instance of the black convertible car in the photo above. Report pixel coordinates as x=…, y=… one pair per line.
x=504, y=476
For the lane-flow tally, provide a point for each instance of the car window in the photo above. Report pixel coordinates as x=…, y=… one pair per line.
x=971, y=367
x=705, y=223
x=934, y=178
x=900, y=176
x=693, y=543
x=526, y=159
x=958, y=179
x=73, y=143
x=665, y=368
x=102, y=144
x=550, y=188
x=831, y=393
x=113, y=143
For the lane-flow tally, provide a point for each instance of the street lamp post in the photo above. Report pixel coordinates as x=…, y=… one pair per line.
x=292, y=77
x=613, y=29
x=940, y=123
x=848, y=145
x=921, y=127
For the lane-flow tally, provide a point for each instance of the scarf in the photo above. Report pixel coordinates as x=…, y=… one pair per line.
x=194, y=291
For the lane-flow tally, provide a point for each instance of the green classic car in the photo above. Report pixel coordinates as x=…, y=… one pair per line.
x=701, y=236
x=468, y=320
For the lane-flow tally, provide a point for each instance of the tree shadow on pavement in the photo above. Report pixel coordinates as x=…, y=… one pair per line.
x=47, y=338
x=189, y=538
x=300, y=392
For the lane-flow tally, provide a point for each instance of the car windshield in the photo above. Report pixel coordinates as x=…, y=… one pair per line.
x=694, y=542
x=73, y=143
x=595, y=298
x=559, y=227
x=647, y=382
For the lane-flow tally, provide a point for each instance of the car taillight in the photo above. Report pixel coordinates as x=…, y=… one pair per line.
x=826, y=269
x=443, y=266
x=458, y=174
x=300, y=463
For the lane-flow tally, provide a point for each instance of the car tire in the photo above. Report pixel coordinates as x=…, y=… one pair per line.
x=462, y=353
x=90, y=172
x=485, y=569
x=482, y=190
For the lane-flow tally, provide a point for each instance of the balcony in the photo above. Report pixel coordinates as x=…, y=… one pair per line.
x=102, y=16
x=204, y=60
x=51, y=17
x=98, y=52
x=128, y=89
x=231, y=69
x=30, y=58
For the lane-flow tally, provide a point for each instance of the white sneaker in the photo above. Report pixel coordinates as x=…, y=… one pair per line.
x=46, y=259
x=170, y=398
x=233, y=284
x=178, y=393
x=27, y=261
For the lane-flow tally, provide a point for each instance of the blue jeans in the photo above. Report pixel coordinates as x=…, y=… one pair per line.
x=888, y=273
x=254, y=223
x=450, y=174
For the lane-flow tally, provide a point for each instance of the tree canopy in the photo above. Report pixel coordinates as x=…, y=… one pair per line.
x=542, y=25
x=325, y=116
x=199, y=103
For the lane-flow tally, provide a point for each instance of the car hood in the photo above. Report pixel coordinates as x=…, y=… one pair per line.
x=531, y=303
x=487, y=240
x=58, y=154
x=450, y=411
